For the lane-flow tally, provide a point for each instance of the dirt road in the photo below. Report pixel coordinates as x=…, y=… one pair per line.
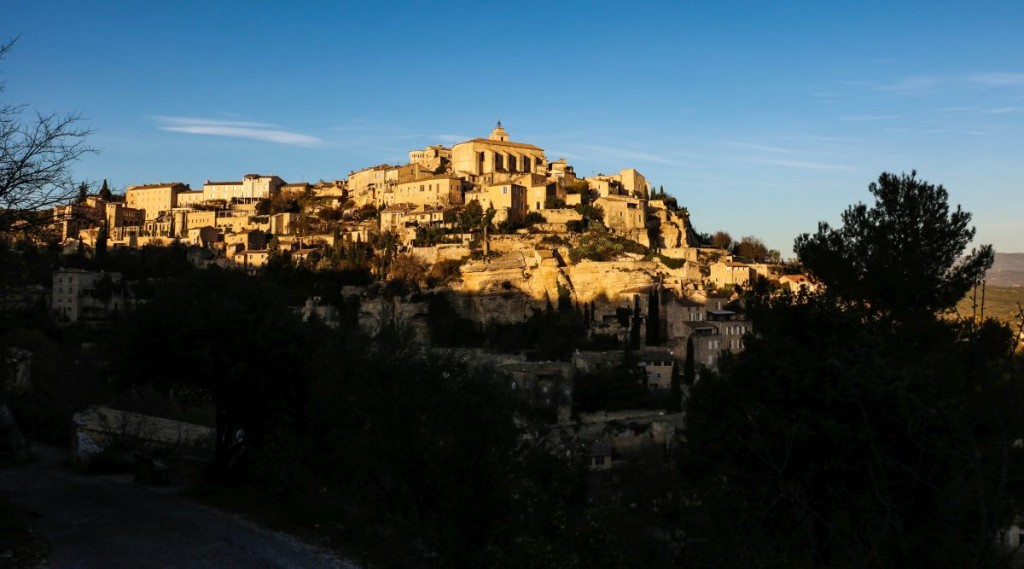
x=102, y=522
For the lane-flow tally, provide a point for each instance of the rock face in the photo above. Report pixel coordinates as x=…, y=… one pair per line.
x=523, y=276
x=509, y=288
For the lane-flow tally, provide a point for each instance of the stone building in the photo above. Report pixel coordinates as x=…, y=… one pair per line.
x=190, y=198
x=122, y=221
x=539, y=189
x=625, y=216
x=507, y=199
x=433, y=158
x=561, y=170
x=432, y=190
x=85, y=296
x=728, y=273
x=495, y=158
x=154, y=199
x=252, y=187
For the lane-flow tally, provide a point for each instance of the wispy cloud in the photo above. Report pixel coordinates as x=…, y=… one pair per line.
x=998, y=79
x=760, y=147
x=618, y=153
x=237, y=129
x=867, y=118
x=566, y=155
x=909, y=85
x=1003, y=110
x=800, y=165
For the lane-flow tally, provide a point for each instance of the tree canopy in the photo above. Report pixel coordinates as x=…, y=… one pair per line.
x=903, y=255
x=842, y=439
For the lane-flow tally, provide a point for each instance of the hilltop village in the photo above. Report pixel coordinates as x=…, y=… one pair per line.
x=481, y=341
x=487, y=234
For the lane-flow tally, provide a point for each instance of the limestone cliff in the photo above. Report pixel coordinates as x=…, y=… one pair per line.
x=508, y=288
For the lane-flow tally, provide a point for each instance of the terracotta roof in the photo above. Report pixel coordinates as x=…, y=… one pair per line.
x=223, y=184
x=503, y=143
x=155, y=186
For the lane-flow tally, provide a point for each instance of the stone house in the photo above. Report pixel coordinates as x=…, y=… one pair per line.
x=154, y=199
x=432, y=190
x=625, y=216
x=251, y=260
x=250, y=239
x=507, y=199
x=660, y=365
x=728, y=273
x=85, y=296
x=432, y=158
x=797, y=283
x=252, y=187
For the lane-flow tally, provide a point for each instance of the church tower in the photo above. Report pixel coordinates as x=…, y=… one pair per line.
x=499, y=133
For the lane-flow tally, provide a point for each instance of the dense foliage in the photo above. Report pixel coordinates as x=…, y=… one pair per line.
x=868, y=432
x=903, y=254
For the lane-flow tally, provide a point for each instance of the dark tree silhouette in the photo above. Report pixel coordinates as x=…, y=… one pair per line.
x=868, y=432
x=901, y=256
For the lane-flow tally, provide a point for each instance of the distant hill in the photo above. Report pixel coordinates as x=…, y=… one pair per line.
x=1007, y=271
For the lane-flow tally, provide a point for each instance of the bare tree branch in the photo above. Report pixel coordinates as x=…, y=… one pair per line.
x=37, y=151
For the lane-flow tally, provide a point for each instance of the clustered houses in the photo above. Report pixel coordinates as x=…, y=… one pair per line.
x=120, y=219
x=675, y=303
x=512, y=178
x=236, y=223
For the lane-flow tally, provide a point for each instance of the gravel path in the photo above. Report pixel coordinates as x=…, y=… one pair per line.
x=110, y=522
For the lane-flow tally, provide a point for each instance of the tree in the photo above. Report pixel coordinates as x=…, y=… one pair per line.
x=847, y=435
x=83, y=191
x=839, y=440
x=690, y=365
x=105, y=192
x=37, y=151
x=102, y=236
x=217, y=336
x=751, y=248
x=471, y=216
x=721, y=239
x=901, y=256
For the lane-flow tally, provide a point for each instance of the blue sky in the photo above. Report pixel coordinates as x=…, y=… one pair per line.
x=762, y=118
